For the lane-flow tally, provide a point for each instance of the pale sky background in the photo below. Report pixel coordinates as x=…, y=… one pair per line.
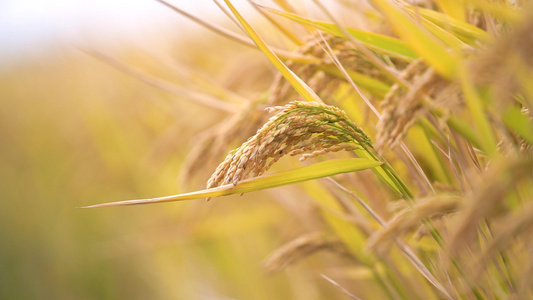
x=30, y=27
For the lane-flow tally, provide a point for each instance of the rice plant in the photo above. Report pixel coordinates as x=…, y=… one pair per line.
x=433, y=98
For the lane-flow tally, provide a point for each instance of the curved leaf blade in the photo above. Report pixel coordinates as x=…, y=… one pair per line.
x=432, y=50
x=301, y=87
x=440, y=33
x=463, y=30
x=314, y=171
x=517, y=121
x=374, y=86
x=382, y=43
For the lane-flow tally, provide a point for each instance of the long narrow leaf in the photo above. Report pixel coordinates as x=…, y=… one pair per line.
x=444, y=36
x=375, y=41
x=518, y=122
x=476, y=108
x=318, y=170
x=455, y=9
x=465, y=31
x=301, y=87
x=498, y=9
x=289, y=34
x=240, y=38
x=433, y=52
x=194, y=97
x=376, y=87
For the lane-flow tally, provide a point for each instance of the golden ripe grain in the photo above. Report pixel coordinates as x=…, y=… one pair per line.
x=296, y=128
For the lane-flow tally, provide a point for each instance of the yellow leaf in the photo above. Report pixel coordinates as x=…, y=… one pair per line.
x=301, y=87
x=318, y=170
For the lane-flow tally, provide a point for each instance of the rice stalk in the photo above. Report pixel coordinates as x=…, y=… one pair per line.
x=342, y=289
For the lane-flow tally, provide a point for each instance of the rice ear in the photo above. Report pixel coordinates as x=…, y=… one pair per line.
x=411, y=218
x=300, y=248
x=296, y=128
x=403, y=105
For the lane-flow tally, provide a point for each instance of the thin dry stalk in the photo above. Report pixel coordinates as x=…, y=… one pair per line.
x=236, y=37
x=196, y=97
x=340, y=287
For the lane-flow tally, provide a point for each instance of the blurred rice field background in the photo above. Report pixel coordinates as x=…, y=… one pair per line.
x=76, y=132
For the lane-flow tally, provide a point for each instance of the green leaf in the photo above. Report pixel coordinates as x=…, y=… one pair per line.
x=301, y=87
x=518, y=122
x=444, y=36
x=376, y=87
x=318, y=170
x=465, y=130
x=381, y=43
x=433, y=52
x=464, y=31
x=382, y=172
x=333, y=212
x=476, y=108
